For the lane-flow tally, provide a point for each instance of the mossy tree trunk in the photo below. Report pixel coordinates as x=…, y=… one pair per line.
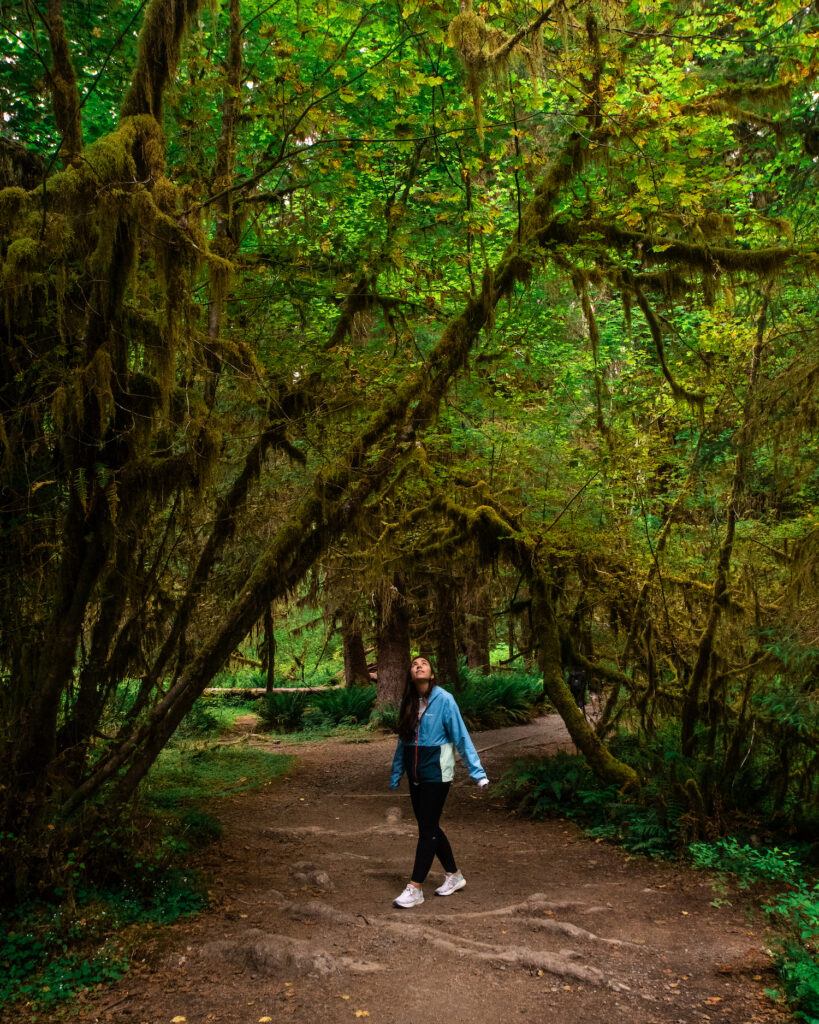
x=602, y=762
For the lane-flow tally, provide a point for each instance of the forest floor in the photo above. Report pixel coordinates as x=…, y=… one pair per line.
x=551, y=926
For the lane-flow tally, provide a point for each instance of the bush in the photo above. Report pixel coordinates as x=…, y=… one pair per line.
x=349, y=706
x=199, y=721
x=384, y=716
x=494, y=701
x=748, y=863
x=283, y=712
x=564, y=786
x=798, y=959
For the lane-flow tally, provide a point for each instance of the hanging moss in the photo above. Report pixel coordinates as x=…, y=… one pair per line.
x=159, y=47
x=23, y=258
x=12, y=202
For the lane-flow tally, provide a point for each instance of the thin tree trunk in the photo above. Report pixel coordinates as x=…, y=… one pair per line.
x=602, y=762
x=269, y=648
x=691, y=704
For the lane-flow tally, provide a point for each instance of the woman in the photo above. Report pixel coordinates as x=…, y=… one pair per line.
x=430, y=729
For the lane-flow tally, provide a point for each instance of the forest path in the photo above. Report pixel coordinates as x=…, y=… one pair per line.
x=550, y=927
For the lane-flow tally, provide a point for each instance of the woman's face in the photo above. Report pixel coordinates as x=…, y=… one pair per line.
x=420, y=670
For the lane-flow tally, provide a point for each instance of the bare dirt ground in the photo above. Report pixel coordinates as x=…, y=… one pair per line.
x=550, y=927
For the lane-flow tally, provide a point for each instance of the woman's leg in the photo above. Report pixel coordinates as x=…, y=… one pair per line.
x=428, y=800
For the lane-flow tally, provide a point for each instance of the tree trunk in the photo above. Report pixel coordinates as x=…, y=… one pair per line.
x=355, y=658
x=269, y=645
x=477, y=631
x=446, y=647
x=691, y=703
x=602, y=762
x=393, y=645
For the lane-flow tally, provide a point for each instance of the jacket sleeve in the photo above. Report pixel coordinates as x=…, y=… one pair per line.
x=397, y=765
x=463, y=744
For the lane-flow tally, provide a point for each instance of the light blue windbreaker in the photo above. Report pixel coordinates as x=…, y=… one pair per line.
x=431, y=756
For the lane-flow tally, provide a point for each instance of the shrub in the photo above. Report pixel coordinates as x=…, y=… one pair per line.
x=349, y=706
x=384, y=716
x=564, y=786
x=798, y=959
x=283, y=712
x=491, y=702
x=748, y=863
x=199, y=721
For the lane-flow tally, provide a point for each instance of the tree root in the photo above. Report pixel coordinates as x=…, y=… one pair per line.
x=561, y=964
x=268, y=953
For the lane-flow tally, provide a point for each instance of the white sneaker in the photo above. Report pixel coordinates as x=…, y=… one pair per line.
x=410, y=897
x=452, y=883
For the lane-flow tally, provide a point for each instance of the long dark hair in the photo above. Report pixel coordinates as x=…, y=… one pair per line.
x=410, y=701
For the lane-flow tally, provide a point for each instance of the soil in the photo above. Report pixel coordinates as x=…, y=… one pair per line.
x=551, y=926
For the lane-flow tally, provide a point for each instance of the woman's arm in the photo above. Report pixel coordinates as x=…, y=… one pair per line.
x=397, y=765
x=458, y=735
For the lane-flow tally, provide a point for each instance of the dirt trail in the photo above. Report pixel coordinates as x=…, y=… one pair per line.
x=551, y=926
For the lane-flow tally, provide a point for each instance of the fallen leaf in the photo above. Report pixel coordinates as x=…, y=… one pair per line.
x=684, y=912
x=345, y=997
x=265, y=1020
x=362, y=1013
x=713, y=1000
x=178, y=1020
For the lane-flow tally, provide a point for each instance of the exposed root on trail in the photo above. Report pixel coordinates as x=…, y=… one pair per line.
x=561, y=964
x=538, y=901
x=270, y=953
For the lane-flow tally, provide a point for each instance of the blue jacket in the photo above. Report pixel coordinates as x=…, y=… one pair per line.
x=431, y=756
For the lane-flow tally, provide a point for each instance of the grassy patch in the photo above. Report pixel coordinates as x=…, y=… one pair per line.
x=183, y=776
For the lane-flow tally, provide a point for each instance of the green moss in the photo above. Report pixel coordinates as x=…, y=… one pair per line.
x=22, y=258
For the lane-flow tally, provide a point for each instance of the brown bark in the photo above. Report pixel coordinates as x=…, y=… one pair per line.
x=356, y=670
x=446, y=647
x=602, y=762
x=393, y=657
x=476, y=630
x=269, y=646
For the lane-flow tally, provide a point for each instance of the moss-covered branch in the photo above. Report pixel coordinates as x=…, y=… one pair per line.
x=63, y=81
x=158, y=55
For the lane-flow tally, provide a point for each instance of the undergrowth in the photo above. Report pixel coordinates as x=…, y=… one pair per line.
x=132, y=876
x=485, y=702
x=499, y=699
x=660, y=824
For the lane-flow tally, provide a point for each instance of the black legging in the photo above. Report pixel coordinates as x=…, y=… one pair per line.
x=428, y=800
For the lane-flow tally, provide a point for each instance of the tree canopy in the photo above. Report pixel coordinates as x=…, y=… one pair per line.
x=405, y=295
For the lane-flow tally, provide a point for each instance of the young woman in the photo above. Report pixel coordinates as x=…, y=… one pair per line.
x=430, y=729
